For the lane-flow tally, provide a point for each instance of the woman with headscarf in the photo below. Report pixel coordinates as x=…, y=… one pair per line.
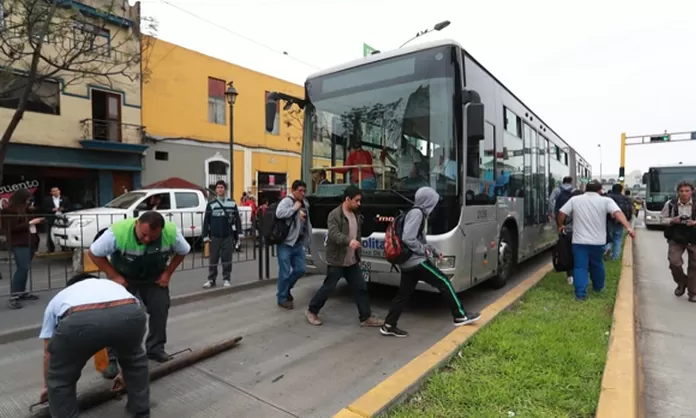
x=20, y=231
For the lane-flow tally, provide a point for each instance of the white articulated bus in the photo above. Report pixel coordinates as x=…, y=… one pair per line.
x=661, y=185
x=431, y=115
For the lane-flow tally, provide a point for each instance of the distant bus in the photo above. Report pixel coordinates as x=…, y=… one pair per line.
x=431, y=115
x=661, y=185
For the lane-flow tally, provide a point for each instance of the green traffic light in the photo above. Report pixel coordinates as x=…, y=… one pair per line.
x=665, y=138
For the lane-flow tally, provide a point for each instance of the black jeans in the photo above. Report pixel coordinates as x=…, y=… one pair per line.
x=427, y=272
x=156, y=300
x=82, y=334
x=357, y=285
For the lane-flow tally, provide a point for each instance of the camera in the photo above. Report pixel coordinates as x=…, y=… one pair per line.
x=684, y=219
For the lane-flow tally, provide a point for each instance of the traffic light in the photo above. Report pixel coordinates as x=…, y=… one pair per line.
x=661, y=138
x=622, y=172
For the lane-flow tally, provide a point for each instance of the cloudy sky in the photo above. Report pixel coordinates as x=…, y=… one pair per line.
x=591, y=70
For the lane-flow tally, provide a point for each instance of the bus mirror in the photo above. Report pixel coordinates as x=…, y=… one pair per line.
x=271, y=111
x=475, y=125
x=645, y=178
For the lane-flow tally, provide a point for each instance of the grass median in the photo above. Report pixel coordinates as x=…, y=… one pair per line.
x=544, y=357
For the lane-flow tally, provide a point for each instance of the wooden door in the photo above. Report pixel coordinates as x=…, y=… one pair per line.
x=122, y=182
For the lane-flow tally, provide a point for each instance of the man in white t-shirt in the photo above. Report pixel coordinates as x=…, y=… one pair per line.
x=589, y=212
x=82, y=319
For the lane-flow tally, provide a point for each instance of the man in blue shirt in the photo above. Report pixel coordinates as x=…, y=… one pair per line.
x=221, y=227
x=81, y=320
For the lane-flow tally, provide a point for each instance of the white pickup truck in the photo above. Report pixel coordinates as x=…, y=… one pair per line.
x=185, y=207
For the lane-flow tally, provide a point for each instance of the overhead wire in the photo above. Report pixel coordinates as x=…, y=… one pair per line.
x=237, y=34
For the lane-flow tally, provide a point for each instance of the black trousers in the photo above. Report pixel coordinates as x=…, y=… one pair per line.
x=156, y=300
x=357, y=285
x=221, y=250
x=427, y=272
x=82, y=334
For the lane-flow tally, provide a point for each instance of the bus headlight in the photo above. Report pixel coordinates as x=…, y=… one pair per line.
x=445, y=263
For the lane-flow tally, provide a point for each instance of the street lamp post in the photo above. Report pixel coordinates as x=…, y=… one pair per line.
x=440, y=26
x=231, y=96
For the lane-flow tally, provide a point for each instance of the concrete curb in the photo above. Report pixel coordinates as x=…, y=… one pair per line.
x=621, y=379
x=395, y=388
x=32, y=331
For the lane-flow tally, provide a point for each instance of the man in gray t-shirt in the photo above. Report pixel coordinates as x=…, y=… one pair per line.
x=343, y=259
x=589, y=212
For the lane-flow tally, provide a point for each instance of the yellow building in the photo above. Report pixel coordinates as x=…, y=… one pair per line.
x=76, y=133
x=187, y=119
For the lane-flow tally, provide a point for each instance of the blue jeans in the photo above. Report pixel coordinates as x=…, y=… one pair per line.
x=22, y=257
x=588, y=261
x=291, y=266
x=616, y=235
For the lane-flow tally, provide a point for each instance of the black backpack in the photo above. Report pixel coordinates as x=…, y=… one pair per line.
x=562, y=254
x=275, y=230
x=561, y=200
x=624, y=204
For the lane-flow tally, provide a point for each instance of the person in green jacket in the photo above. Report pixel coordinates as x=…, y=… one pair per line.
x=140, y=251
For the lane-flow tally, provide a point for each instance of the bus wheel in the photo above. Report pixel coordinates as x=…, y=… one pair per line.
x=506, y=259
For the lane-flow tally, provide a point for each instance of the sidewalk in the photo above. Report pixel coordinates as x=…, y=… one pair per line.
x=183, y=282
x=666, y=332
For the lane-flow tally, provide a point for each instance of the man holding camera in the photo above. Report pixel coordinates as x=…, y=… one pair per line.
x=680, y=217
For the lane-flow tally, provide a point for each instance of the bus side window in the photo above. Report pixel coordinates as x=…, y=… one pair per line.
x=481, y=167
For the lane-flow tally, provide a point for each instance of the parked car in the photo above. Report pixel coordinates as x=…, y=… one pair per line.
x=185, y=207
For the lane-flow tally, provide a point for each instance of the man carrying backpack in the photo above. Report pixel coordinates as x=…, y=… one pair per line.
x=343, y=259
x=561, y=194
x=615, y=230
x=420, y=267
x=293, y=210
x=679, y=217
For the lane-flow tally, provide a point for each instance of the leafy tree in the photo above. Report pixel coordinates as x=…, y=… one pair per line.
x=52, y=40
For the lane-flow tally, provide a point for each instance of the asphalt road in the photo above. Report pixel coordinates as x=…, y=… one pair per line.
x=283, y=367
x=667, y=336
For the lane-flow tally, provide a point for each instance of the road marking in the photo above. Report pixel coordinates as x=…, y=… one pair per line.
x=409, y=378
x=619, y=394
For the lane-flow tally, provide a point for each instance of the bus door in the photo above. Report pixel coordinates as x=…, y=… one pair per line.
x=480, y=207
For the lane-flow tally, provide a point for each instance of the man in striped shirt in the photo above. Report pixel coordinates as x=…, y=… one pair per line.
x=221, y=227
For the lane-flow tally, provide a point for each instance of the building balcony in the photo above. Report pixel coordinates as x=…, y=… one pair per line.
x=111, y=135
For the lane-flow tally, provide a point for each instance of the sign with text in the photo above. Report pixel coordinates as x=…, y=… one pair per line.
x=7, y=191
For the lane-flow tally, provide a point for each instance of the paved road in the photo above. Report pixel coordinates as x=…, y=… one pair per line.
x=185, y=281
x=283, y=367
x=667, y=335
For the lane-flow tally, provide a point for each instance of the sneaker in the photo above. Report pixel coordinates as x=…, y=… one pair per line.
x=209, y=284
x=570, y=280
x=28, y=296
x=287, y=305
x=372, y=322
x=14, y=303
x=313, y=318
x=469, y=319
x=392, y=331
x=226, y=283
x=290, y=298
x=680, y=290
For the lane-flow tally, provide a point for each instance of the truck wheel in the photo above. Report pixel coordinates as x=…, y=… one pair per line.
x=506, y=259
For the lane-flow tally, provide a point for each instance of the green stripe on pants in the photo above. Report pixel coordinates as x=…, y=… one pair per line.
x=437, y=274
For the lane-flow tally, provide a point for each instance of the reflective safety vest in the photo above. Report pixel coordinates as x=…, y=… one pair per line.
x=139, y=262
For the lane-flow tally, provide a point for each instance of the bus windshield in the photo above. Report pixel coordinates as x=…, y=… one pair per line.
x=664, y=180
x=386, y=125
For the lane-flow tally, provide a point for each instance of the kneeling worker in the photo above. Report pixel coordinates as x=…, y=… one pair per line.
x=82, y=319
x=140, y=251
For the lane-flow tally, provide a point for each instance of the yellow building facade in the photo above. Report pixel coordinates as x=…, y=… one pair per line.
x=79, y=132
x=187, y=120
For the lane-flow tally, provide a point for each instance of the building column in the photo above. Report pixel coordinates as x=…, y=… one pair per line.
x=106, y=187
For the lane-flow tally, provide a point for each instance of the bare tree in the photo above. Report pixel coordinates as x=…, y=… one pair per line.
x=292, y=118
x=53, y=41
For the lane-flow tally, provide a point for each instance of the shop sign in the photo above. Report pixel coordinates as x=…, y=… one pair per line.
x=6, y=191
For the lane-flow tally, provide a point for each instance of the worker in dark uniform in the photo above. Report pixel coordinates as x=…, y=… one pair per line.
x=82, y=319
x=140, y=251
